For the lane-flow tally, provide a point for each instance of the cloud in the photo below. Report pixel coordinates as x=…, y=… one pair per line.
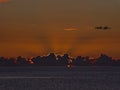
x=71, y=29
x=4, y=1
x=102, y=28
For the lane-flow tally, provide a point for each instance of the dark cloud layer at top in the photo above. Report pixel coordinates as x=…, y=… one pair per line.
x=4, y=1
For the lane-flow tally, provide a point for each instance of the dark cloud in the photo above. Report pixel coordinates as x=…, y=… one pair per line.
x=4, y=1
x=102, y=28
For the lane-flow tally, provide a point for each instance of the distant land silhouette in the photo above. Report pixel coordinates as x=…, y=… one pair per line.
x=64, y=60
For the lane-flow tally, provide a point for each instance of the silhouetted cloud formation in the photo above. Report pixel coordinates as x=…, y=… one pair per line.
x=65, y=60
x=102, y=27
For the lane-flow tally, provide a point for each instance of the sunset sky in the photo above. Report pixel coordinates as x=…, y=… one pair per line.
x=38, y=27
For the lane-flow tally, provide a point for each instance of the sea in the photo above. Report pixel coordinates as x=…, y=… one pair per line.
x=60, y=78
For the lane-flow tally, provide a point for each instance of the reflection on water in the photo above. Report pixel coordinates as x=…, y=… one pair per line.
x=59, y=78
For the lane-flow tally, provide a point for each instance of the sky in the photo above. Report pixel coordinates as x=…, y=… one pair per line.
x=38, y=27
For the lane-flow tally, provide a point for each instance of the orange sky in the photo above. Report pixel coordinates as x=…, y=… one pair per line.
x=38, y=27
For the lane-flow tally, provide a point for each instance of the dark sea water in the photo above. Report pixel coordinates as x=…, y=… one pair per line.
x=60, y=78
